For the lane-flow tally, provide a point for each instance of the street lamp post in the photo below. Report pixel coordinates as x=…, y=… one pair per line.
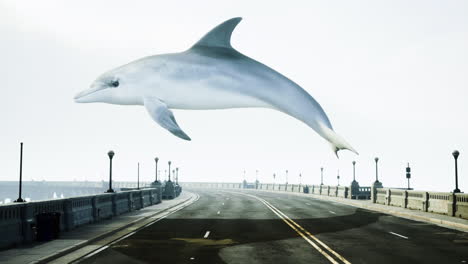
x=377, y=184
x=169, y=163
x=455, y=154
x=138, y=176
x=338, y=177
x=286, y=177
x=354, y=171
x=177, y=175
x=156, y=169
x=376, y=169
x=300, y=179
x=354, y=184
x=321, y=175
x=274, y=180
x=20, y=200
x=111, y=155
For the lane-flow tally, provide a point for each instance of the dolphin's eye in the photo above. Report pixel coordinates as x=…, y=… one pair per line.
x=114, y=84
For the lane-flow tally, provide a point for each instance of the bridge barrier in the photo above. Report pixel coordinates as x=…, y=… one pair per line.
x=10, y=225
x=435, y=202
x=461, y=205
x=439, y=202
x=397, y=198
x=19, y=221
x=78, y=211
x=342, y=191
x=360, y=193
x=102, y=206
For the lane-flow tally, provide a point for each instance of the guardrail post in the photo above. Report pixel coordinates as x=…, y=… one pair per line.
x=452, y=204
x=28, y=223
x=373, y=194
x=405, y=205
x=388, y=197
x=68, y=214
x=426, y=201
x=114, y=204
x=95, y=209
x=130, y=202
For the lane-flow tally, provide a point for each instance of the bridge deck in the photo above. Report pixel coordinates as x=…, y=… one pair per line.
x=242, y=226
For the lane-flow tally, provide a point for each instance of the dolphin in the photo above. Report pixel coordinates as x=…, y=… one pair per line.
x=209, y=75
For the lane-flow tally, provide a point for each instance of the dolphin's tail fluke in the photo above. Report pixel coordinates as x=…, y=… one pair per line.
x=336, y=141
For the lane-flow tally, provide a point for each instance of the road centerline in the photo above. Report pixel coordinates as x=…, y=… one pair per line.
x=398, y=235
x=206, y=234
x=303, y=232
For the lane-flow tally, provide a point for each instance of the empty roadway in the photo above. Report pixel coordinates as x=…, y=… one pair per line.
x=226, y=226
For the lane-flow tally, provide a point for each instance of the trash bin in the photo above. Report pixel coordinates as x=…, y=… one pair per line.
x=47, y=226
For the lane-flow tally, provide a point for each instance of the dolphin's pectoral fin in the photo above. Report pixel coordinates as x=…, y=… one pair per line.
x=220, y=36
x=164, y=117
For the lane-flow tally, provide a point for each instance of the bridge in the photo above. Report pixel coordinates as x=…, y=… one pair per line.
x=244, y=223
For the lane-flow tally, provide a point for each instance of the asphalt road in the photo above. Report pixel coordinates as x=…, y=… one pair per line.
x=261, y=227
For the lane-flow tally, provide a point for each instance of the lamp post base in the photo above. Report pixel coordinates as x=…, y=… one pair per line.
x=20, y=200
x=377, y=184
x=110, y=191
x=456, y=191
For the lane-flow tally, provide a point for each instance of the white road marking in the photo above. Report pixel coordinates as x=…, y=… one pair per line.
x=218, y=212
x=398, y=235
x=95, y=252
x=332, y=212
x=223, y=203
x=206, y=234
x=192, y=258
x=308, y=203
x=159, y=216
x=124, y=237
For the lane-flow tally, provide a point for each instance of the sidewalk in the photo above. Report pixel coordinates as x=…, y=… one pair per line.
x=84, y=235
x=433, y=218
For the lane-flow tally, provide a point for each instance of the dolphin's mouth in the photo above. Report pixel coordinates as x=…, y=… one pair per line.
x=79, y=98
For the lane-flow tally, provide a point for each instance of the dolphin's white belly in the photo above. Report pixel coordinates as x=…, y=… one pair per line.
x=205, y=85
x=209, y=96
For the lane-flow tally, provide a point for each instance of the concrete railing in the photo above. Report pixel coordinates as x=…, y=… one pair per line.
x=335, y=191
x=20, y=221
x=436, y=202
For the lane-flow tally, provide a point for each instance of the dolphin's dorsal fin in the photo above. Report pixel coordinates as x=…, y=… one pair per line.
x=220, y=36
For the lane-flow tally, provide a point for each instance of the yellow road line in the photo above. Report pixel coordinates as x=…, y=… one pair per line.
x=324, y=253
x=302, y=232
x=312, y=236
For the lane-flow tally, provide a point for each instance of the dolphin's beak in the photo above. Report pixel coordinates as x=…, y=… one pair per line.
x=82, y=97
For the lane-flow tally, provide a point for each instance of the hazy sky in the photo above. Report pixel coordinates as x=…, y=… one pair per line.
x=391, y=75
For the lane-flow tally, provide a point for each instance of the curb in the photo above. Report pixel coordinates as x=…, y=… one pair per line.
x=82, y=244
x=407, y=215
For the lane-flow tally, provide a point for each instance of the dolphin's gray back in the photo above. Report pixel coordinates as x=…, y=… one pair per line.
x=222, y=72
x=259, y=81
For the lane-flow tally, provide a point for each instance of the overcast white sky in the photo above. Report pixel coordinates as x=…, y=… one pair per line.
x=391, y=75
